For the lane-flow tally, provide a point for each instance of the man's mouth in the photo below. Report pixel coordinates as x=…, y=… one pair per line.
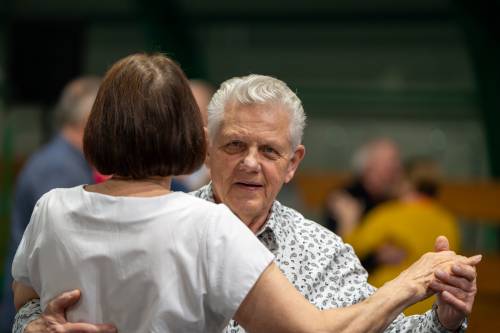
x=249, y=185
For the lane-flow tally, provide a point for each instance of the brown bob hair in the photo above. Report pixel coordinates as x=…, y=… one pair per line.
x=145, y=121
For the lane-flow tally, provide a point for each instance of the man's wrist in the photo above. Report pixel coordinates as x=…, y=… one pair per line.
x=461, y=328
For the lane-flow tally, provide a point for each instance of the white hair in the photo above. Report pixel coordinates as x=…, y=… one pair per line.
x=257, y=89
x=363, y=157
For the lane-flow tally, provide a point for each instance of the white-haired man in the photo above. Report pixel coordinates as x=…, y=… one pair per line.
x=255, y=126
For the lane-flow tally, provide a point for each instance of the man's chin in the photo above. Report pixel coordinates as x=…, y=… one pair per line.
x=245, y=209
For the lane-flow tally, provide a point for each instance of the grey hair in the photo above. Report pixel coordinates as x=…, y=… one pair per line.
x=257, y=89
x=360, y=159
x=69, y=109
x=363, y=156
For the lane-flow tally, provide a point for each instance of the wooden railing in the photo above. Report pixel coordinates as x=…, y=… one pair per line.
x=476, y=201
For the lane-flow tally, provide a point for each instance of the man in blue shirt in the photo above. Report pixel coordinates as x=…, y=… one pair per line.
x=60, y=163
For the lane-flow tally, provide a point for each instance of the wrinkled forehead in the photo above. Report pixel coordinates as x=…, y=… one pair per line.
x=269, y=119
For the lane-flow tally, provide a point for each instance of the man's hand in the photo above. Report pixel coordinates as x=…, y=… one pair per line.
x=455, y=291
x=53, y=319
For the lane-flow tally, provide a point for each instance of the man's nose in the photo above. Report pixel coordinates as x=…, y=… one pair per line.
x=251, y=160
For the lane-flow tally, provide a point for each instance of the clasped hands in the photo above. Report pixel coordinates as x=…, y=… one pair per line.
x=450, y=276
x=455, y=288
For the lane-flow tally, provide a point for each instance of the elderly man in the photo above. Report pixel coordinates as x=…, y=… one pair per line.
x=255, y=127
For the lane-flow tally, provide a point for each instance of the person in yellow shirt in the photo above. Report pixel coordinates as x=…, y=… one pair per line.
x=410, y=223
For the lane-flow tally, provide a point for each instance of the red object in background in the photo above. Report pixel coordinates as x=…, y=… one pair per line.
x=98, y=177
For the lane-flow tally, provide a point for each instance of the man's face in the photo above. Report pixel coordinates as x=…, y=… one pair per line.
x=251, y=158
x=384, y=170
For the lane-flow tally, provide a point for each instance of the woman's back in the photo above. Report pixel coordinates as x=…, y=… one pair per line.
x=156, y=264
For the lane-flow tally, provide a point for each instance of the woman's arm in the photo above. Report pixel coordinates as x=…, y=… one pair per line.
x=22, y=294
x=274, y=305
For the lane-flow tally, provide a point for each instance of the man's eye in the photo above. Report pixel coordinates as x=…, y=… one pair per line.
x=270, y=152
x=234, y=146
x=238, y=144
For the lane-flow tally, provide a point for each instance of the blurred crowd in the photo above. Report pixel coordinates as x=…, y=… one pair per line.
x=389, y=212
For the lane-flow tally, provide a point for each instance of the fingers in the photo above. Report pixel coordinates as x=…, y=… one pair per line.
x=441, y=244
x=455, y=281
x=438, y=287
x=89, y=328
x=458, y=304
x=59, y=304
x=474, y=260
x=449, y=257
x=464, y=271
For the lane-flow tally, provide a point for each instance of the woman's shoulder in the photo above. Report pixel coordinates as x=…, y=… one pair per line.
x=216, y=215
x=56, y=194
x=199, y=202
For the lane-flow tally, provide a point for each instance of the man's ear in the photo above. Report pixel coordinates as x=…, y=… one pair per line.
x=297, y=157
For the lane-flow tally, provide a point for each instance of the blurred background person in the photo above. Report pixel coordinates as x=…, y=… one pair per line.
x=410, y=223
x=377, y=168
x=202, y=92
x=60, y=163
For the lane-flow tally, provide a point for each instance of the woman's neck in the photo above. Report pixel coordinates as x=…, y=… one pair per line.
x=128, y=187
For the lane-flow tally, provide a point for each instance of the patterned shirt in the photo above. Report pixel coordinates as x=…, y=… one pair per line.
x=321, y=266
x=318, y=263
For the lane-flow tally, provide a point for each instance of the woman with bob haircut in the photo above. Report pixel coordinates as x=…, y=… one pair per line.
x=150, y=260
